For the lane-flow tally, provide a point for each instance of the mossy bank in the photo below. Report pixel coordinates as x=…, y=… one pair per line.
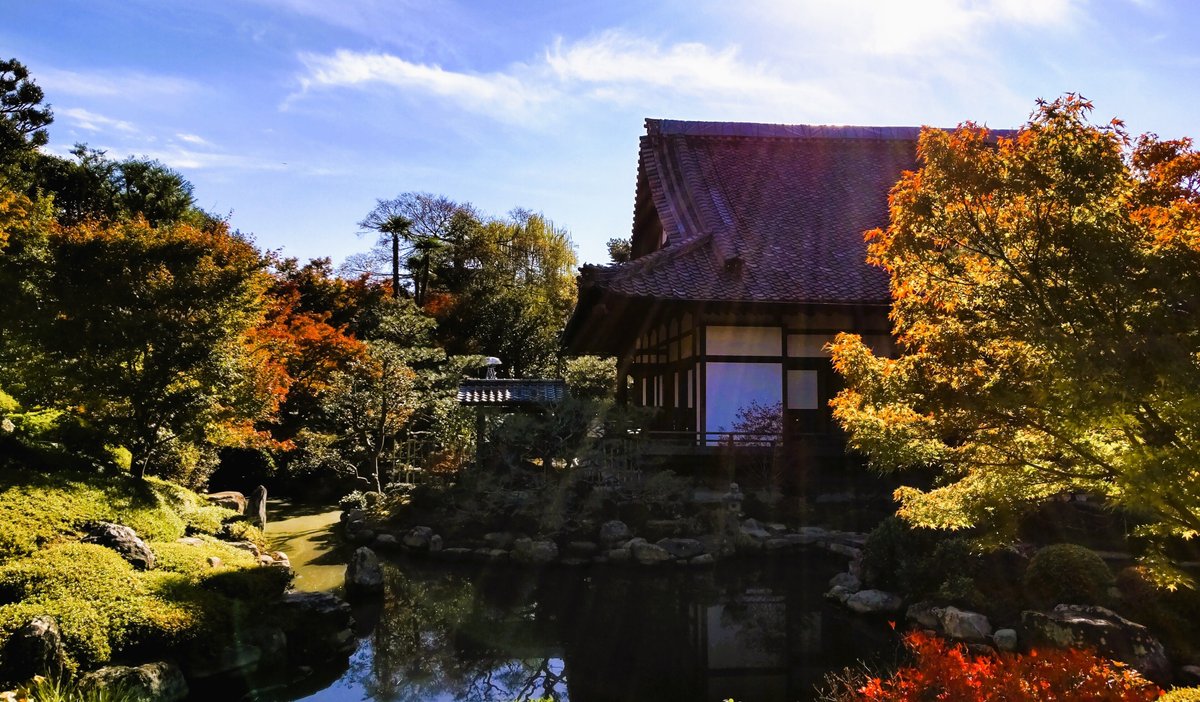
x=207, y=604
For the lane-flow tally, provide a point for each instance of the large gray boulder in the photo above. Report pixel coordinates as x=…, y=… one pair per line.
x=1100, y=629
x=961, y=625
x=364, y=574
x=849, y=581
x=152, y=682
x=1005, y=639
x=490, y=555
x=256, y=507
x=386, y=542
x=619, y=555
x=839, y=594
x=614, y=531
x=418, y=538
x=35, y=649
x=681, y=548
x=532, y=552
x=124, y=541
x=318, y=627
x=873, y=602
x=229, y=499
x=648, y=554
x=810, y=535
x=751, y=528
x=924, y=615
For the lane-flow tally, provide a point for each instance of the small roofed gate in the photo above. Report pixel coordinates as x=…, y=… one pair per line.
x=497, y=396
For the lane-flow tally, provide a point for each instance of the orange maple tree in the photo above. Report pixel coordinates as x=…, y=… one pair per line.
x=298, y=351
x=1046, y=292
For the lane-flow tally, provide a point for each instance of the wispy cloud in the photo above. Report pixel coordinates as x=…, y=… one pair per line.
x=186, y=158
x=193, y=139
x=92, y=122
x=112, y=83
x=615, y=60
x=612, y=67
x=490, y=92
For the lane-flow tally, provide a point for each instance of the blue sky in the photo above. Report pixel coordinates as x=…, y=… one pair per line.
x=293, y=116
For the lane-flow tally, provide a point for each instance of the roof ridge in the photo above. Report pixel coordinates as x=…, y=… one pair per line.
x=783, y=131
x=650, y=260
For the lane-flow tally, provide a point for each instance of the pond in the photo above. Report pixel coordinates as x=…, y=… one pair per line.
x=748, y=630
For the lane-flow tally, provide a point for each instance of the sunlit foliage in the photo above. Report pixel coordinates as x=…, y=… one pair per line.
x=1046, y=289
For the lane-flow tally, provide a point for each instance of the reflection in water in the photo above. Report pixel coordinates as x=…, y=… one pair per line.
x=751, y=632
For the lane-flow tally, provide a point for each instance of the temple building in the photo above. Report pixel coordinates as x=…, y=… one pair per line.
x=748, y=256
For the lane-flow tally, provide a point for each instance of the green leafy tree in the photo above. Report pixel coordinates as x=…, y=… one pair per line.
x=143, y=331
x=95, y=187
x=23, y=117
x=414, y=230
x=1046, y=299
x=591, y=377
x=619, y=250
x=516, y=302
x=369, y=404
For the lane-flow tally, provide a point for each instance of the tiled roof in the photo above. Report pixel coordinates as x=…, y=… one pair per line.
x=763, y=213
x=510, y=393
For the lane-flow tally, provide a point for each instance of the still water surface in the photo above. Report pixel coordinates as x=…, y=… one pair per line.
x=747, y=630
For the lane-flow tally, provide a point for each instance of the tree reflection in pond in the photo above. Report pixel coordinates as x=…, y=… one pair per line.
x=438, y=637
x=756, y=631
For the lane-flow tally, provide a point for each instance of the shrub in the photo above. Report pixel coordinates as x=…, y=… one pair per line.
x=917, y=562
x=949, y=672
x=1182, y=694
x=354, y=500
x=242, y=530
x=1067, y=574
x=664, y=492
x=1173, y=615
x=250, y=585
x=8, y=404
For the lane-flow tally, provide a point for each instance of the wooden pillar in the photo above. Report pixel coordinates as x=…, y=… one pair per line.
x=480, y=432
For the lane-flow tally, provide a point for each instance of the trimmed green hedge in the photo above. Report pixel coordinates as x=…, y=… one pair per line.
x=1067, y=574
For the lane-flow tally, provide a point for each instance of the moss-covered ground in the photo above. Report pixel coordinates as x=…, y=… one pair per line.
x=107, y=610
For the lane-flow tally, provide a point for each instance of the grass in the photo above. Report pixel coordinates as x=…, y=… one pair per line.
x=42, y=689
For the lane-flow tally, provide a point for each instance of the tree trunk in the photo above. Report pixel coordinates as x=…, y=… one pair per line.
x=396, y=266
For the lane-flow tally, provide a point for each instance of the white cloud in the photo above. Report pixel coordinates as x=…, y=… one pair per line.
x=612, y=67
x=494, y=92
x=93, y=122
x=613, y=61
x=193, y=139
